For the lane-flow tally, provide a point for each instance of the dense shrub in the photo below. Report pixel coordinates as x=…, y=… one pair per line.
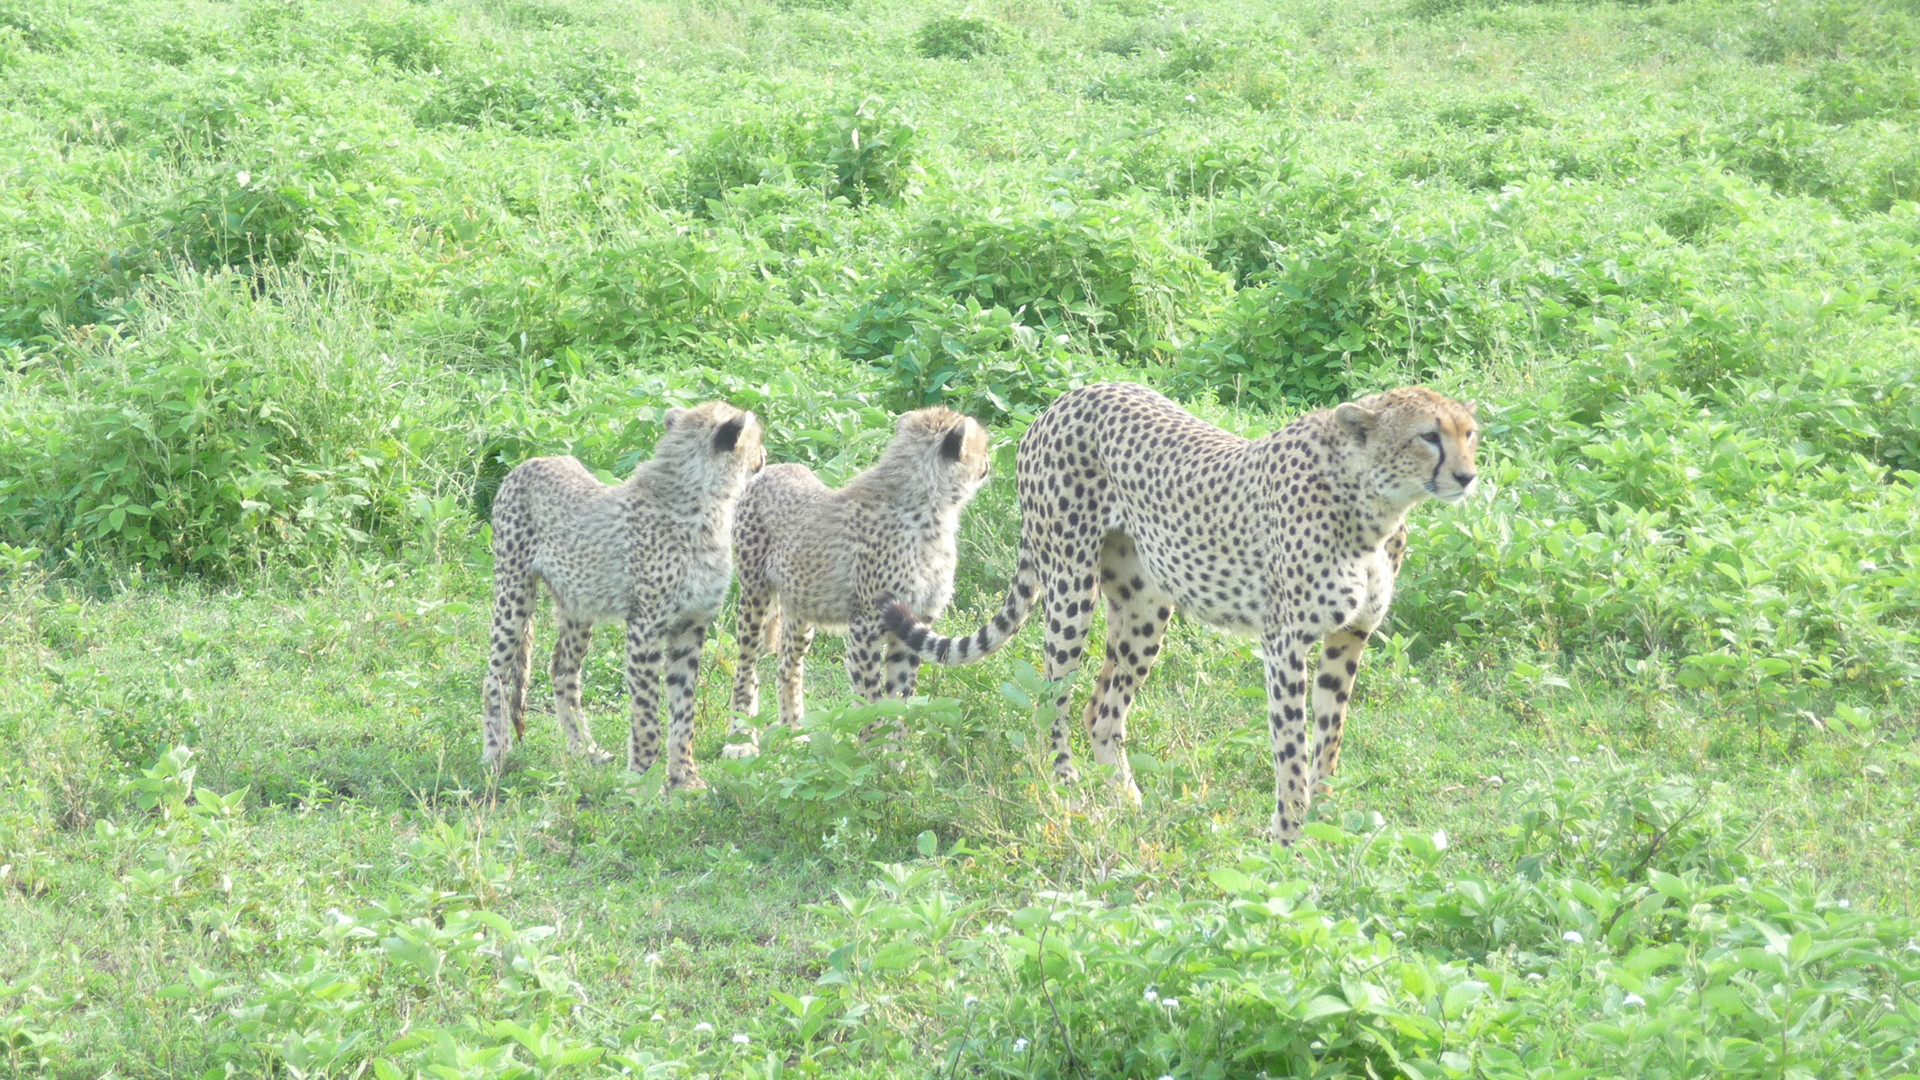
x=859, y=151
x=1620, y=899
x=239, y=219
x=1105, y=271
x=36, y=26
x=958, y=37
x=407, y=40
x=183, y=464
x=570, y=86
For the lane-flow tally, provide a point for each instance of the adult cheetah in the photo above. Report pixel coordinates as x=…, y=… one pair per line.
x=825, y=557
x=656, y=551
x=1294, y=538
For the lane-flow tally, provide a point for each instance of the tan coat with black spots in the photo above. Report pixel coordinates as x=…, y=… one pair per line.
x=816, y=559
x=656, y=551
x=1294, y=538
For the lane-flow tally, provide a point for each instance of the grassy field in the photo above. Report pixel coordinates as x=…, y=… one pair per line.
x=1631, y=787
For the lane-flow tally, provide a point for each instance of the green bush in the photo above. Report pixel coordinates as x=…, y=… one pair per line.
x=406, y=40
x=570, y=86
x=1492, y=114
x=208, y=445
x=1105, y=272
x=858, y=151
x=37, y=26
x=1385, y=953
x=242, y=220
x=958, y=37
x=1372, y=292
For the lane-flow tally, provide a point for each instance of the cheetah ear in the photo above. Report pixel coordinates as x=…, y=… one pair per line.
x=1355, y=420
x=725, y=439
x=950, y=446
x=671, y=417
x=1473, y=408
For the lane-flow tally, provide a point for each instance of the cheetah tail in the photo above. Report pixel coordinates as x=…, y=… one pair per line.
x=976, y=646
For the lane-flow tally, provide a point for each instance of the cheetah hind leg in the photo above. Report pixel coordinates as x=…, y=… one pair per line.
x=513, y=595
x=796, y=640
x=869, y=648
x=570, y=647
x=759, y=628
x=1137, y=617
x=522, y=672
x=1069, y=601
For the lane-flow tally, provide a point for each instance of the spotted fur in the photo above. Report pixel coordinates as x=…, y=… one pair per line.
x=656, y=551
x=1294, y=538
x=816, y=559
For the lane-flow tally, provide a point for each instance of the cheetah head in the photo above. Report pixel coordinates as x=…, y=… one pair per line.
x=1416, y=444
x=715, y=439
x=946, y=452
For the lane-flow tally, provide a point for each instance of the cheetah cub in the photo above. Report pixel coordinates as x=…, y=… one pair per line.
x=1294, y=538
x=826, y=558
x=656, y=551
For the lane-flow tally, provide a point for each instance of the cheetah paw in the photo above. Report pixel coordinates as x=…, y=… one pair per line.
x=688, y=783
x=740, y=750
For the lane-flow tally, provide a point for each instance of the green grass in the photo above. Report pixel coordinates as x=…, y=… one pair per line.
x=288, y=285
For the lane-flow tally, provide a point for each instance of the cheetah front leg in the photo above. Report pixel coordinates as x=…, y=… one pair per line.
x=683, y=684
x=643, y=696
x=1339, y=663
x=513, y=595
x=570, y=647
x=1286, y=650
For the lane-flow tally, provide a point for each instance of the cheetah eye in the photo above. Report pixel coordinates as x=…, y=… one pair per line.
x=1432, y=437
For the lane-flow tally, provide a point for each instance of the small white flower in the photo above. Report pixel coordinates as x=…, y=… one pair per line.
x=1534, y=976
x=1152, y=995
x=657, y=1017
x=653, y=958
x=1573, y=761
x=970, y=1002
x=1189, y=97
x=1019, y=1046
x=1845, y=904
x=741, y=1038
x=1573, y=936
x=1633, y=1001
x=243, y=178
x=702, y=1026
x=1171, y=1003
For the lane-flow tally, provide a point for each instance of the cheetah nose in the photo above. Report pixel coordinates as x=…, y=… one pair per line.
x=1465, y=478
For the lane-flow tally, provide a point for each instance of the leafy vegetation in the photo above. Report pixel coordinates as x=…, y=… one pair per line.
x=290, y=284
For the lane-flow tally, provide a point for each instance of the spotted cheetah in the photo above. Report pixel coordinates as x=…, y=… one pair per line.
x=826, y=557
x=1294, y=538
x=656, y=551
